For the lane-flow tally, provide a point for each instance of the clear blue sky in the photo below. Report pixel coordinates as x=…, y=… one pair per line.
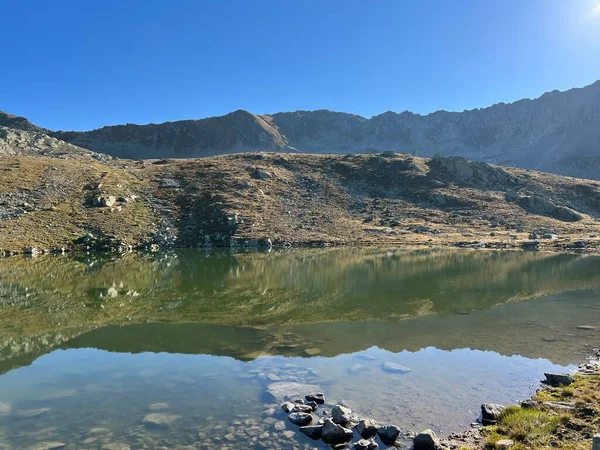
x=69, y=64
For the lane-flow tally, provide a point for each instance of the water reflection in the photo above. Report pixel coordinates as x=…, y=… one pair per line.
x=94, y=342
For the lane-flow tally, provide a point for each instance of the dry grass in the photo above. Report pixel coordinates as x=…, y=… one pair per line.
x=320, y=199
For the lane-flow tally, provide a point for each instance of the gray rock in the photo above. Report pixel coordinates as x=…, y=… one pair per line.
x=334, y=433
x=317, y=397
x=365, y=444
x=490, y=413
x=341, y=415
x=300, y=418
x=367, y=428
x=530, y=245
x=426, y=440
x=558, y=379
x=288, y=407
x=298, y=407
x=279, y=425
x=542, y=206
x=312, y=431
x=262, y=174
x=394, y=368
x=388, y=434
x=511, y=196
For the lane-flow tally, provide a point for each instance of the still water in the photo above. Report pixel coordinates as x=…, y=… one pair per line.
x=94, y=349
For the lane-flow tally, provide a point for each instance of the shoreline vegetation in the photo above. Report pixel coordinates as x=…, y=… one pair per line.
x=72, y=202
x=563, y=414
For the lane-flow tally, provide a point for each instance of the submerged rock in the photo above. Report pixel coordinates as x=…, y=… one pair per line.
x=558, y=379
x=281, y=391
x=300, y=418
x=388, y=433
x=334, y=433
x=4, y=409
x=394, y=368
x=159, y=420
x=367, y=428
x=312, y=431
x=426, y=440
x=490, y=413
x=47, y=446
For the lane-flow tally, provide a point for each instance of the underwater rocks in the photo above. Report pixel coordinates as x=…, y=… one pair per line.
x=159, y=420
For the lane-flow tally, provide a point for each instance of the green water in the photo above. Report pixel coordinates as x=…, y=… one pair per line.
x=90, y=346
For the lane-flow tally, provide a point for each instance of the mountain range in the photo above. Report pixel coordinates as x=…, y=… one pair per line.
x=558, y=132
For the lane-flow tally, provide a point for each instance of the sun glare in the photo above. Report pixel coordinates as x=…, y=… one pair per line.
x=595, y=12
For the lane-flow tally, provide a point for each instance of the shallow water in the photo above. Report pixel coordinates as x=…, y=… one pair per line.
x=90, y=346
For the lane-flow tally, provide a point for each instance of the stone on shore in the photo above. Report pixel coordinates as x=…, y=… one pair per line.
x=388, y=434
x=426, y=440
x=312, y=431
x=341, y=415
x=334, y=433
x=367, y=428
x=317, y=397
x=300, y=418
x=558, y=379
x=490, y=413
x=288, y=407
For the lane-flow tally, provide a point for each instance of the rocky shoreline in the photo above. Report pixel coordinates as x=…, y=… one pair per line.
x=341, y=428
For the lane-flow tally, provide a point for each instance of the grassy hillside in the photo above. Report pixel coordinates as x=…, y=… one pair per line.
x=243, y=200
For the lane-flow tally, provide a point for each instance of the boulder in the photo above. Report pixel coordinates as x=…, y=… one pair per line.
x=317, y=397
x=367, y=428
x=341, y=415
x=539, y=205
x=288, y=407
x=312, y=431
x=298, y=407
x=334, y=433
x=388, y=434
x=262, y=174
x=426, y=440
x=558, y=379
x=490, y=413
x=300, y=418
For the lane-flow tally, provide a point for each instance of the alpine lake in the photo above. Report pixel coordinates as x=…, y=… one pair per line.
x=197, y=350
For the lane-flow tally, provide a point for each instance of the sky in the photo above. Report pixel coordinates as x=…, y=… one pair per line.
x=79, y=65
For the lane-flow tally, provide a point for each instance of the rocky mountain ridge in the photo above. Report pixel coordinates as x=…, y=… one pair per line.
x=558, y=132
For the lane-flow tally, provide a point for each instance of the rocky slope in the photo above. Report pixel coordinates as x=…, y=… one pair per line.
x=21, y=142
x=558, y=132
x=259, y=199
